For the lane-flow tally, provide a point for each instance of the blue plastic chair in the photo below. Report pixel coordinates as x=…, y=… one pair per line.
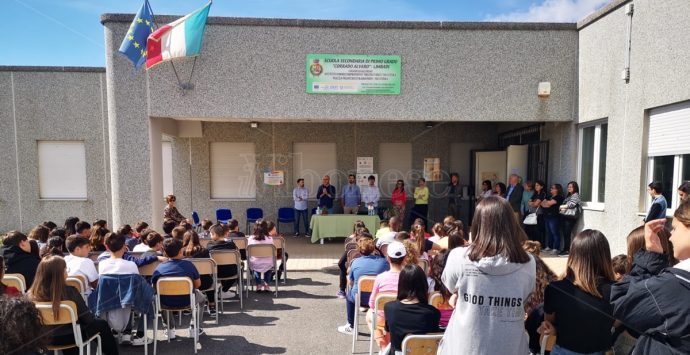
x=196, y=220
x=223, y=215
x=285, y=215
x=253, y=214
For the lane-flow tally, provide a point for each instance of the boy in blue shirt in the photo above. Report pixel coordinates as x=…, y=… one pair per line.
x=176, y=266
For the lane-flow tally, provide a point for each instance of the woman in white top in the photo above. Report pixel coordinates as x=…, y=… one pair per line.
x=491, y=279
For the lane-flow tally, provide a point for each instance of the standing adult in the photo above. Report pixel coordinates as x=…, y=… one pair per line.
x=486, y=190
x=537, y=232
x=494, y=264
x=399, y=199
x=514, y=194
x=170, y=213
x=572, y=201
x=421, y=203
x=454, y=195
x=351, y=196
x=658, y=208
x=371, y=194
x=325, y=194
x=684, y=191
x=300, y=194
x=553, y=218
x=500, y=189
x=528, y=191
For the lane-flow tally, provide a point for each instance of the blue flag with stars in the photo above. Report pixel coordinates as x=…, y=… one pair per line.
x=134, y=44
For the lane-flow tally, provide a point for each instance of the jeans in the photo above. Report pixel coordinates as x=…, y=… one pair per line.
x=553, y=231
x=343, y=272
x=268, y=275
x=350, y=302
x=557, y=350
x=304, y=216
x=568, y=226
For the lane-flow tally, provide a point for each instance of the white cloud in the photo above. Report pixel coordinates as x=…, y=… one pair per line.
x=552, y=11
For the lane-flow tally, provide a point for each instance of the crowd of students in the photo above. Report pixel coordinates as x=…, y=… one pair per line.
x=499, y=297
x=45, y=265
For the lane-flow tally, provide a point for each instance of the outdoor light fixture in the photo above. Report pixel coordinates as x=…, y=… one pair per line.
x=254, y=124
x=544, y=89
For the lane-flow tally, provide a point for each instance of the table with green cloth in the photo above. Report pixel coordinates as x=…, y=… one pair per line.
x=339, y=225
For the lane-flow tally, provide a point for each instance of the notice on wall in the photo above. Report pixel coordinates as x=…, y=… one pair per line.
x=365, y=165
x=274, y=178
x=432, y=169
x=353, y=74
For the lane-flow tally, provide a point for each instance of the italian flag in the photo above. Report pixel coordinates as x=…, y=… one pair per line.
x=182, y=38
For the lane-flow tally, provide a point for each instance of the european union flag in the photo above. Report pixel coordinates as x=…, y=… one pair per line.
x=134, y=44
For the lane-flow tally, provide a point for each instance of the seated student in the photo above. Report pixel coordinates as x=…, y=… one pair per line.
x=235, y=229
x=176, y=266
x=100, y=223
x=142, y=246
x=205, y=225
x=577, y=309
x=534, y=304
x=424, y=245
x=16, y=251
x=125, y=255
x=436, y=285
x=21, y=323
x=282, y=255
x=58, y=232
x=411, y=313
x=39, y=234
x=139, y=228
x=50, y=225
x=386, y=281
x=419, y=221
x=359, y=228
x=218, y=242
x=620, y=266
x=6, y=290
x=78, y=262
x=439, y=232
x=153, y=245
x=55, y=246
x=261, y=265
x=130, y=240
x=367, y=264
x=383, y=229
x=394, y=225
x=178, y=233
x=83, y=228
x=191, y=246
x=50, y=286
x=168, y=227
x=97, y=238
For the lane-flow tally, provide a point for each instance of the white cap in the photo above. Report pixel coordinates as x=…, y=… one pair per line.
x=396, y=250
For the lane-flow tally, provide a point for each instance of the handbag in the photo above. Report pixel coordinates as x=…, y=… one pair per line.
x=571, y=213
x=531, y=219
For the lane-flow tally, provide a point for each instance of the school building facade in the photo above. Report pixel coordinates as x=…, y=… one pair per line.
x=110, y=142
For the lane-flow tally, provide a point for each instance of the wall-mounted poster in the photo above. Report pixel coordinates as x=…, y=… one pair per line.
x=365, y=165
x=432, y=169
x=274, y=178
x=353, y=74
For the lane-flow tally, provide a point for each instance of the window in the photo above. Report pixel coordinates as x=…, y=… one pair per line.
x=668, y=151
x=311, y=161
x=593, y=164
x=62, y=170
x=394, y=163
x=233, y=170
x=167, y=169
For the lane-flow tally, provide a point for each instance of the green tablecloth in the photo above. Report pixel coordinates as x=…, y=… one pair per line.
x=340, y=225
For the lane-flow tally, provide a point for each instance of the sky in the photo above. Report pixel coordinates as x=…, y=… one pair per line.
x=69, y=32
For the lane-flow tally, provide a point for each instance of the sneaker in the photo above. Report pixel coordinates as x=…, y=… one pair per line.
x=191, y=331
x=547, y=249
x=564, y=253
x=228, y=294
x=212, y=311
x=341, y=294
x=126, y=339
x=307, y=235
x=141, y=341
x=555, y=251
x=259, y=288
x=345, y=329
x=296, y=234
x=170, y=334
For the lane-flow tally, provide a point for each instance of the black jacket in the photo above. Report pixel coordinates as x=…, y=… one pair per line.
x=515, y=199
x=653, y=300
x=20, y=262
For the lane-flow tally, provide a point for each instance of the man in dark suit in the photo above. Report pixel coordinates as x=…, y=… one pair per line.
x=514, y=194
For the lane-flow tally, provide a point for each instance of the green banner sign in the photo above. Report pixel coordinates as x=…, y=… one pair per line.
x=353, y=74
